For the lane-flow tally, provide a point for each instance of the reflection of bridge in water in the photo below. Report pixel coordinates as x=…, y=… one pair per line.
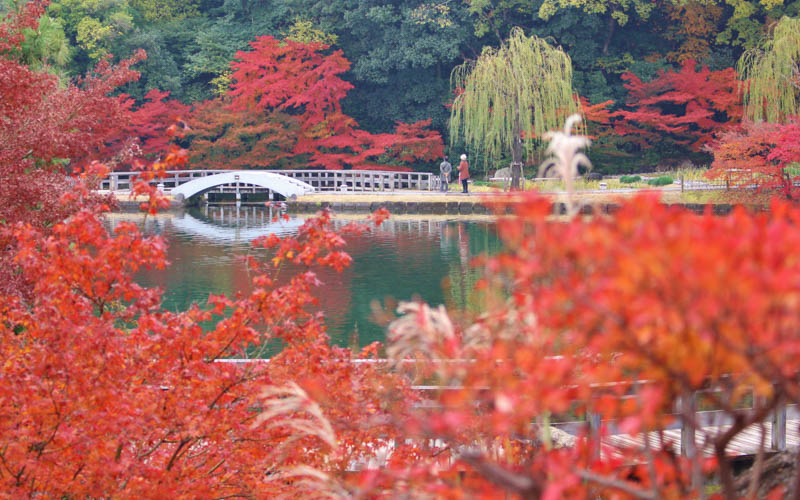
x=236, y=224
x=226, y=224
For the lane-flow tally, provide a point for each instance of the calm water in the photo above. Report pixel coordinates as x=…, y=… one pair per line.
x=405, y=258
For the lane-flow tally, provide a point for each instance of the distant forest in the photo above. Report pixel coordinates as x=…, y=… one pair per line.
x=402, y=52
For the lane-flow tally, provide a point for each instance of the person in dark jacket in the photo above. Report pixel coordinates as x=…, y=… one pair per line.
x=444, y=175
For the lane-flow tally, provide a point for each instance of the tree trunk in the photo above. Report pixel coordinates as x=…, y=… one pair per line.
x=516, y=150
x=609, y=33
x=516, y=159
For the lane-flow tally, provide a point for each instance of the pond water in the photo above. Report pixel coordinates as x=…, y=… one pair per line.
x=425, y=257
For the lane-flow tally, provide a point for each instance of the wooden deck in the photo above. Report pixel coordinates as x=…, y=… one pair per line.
x=786, y=422
x=745, y=443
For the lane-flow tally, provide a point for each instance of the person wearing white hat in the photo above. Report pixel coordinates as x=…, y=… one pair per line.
x=463, y=173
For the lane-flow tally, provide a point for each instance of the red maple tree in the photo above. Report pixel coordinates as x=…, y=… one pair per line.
x=44, y=121
x=47, y=128
x=760, y=156
x=222, y=137
x=285, y=111
x=142, y=131
x=287, y=75
x=107, y=393
x=686, y=107
x=16, y=21
x=577, y=324
x=349, y=147
x=608, y=146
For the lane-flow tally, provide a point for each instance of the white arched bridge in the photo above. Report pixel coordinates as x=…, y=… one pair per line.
x=277, y=183
x=187, y=183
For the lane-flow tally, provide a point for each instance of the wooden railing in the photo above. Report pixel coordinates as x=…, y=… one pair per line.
x=686, y=432
x=321, y=180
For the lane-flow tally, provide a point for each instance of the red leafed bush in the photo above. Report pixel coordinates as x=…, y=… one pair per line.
x=105, y=393
x=619, y=316
x=43, y=127
x=760, y=155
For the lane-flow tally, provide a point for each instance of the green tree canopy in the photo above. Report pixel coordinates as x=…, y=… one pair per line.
x=511, y=96
x=93, y=25
x=772, y=75
x=46, y=47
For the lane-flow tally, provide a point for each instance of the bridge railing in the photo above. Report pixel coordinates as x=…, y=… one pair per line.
x=321, y=180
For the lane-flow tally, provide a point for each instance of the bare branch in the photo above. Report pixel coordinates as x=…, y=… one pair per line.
x=617, y=484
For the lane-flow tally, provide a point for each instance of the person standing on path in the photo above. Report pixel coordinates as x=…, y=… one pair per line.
x=463, y=173
x=444, y=175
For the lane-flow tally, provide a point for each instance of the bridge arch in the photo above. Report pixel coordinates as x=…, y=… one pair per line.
x=278, y=183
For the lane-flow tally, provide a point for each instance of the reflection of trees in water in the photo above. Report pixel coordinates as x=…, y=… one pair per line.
x=396, y=261
x=470, y=240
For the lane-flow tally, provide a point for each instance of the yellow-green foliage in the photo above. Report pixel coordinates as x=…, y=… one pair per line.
x=618, y=9
x=771, y=76
x=434, y=13
x=522, y=89
x=166, y=10
x=93, y=36
x=221, y=84
x=303, y=31
x=95, y=24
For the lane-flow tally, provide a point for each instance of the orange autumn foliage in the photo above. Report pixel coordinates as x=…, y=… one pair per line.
x=105, y=393
x=620, y=316
x=695, y=25
x=109, y=394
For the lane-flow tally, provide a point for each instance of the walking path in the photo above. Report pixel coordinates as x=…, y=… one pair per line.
x=361, y=201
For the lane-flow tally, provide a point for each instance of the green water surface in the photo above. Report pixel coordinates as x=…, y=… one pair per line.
x=407, y=258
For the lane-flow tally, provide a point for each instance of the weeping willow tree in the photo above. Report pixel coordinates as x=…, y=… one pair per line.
x=511, y=96
x=772, y=75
